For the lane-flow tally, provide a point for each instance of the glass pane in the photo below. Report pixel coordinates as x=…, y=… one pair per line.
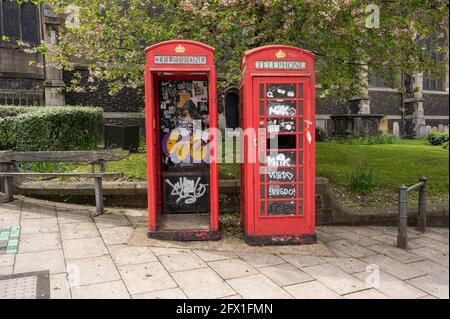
x=281, y=108
x=262, y=192
x=261, y=91
x=11, y=19
x=30, y=24
x=281, y=208
x=277, y=91
x=282, y=191
x=281, y=125
x=281, y=175
x=281, y=159
x=300, y=88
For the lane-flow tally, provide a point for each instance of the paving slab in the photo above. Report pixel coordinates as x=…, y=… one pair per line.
x=386, y=239
x=6, y=270
x=52, y=260
x=435, y=237
x=39, y=242
x=366, y=294
x=350, y=248
x=359, y=239
x=432, y=269
x=6, y=220
x=116, y=235
x=59, y=287
x=312, y=290
x=84, y=247
x=334, y=229
x=131, y=255
x=202, y=284
x=260, y=260
x=392, y=287
x=430, y=243
x=37, y=211
x=211, y=255
x=173, y=293
x=78, y=230
x=398, y=254
x=301, y=261
x=73, y=217
x=393, y=267
x=335, y=278
x=232, y=268
x=7, y=260
x=432, y=285
x=233, y=297
x=111, y=220
x=93, y=270
x=433, y=255
x=258, y=287
x=326, y=237
x=40, y=225
x=107, y=290
x=349, y=265
x=147, y=277
x=159, y=251
x=181, y=261
x=440, y=230
x=285, y=274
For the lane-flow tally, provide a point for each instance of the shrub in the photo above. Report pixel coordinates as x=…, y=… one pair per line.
x=371, y=140
x=360, y=180
x=50, y=128
x=438, y=138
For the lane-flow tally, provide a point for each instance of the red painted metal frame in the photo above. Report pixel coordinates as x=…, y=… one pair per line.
x=154, y=73
x=268, y=229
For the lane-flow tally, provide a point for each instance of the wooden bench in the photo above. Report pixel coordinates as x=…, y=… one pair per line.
x=9, y=161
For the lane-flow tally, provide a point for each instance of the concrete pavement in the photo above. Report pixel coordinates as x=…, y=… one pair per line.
x=89, y=258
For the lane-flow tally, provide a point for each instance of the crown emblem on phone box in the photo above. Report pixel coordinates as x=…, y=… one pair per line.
x=280, y=54
x=180, y=49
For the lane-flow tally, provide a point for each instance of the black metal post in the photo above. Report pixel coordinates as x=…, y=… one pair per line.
x=422, y=218
x=402, y=237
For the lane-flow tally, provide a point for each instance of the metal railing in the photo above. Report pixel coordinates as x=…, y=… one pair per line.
x=402, y=237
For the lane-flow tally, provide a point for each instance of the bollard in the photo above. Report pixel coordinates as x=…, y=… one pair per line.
x=402, y=237
x=422, y=218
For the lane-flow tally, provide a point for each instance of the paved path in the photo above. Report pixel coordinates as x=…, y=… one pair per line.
x=89, y=258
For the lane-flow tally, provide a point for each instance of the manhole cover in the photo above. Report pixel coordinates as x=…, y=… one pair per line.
x=34, y=285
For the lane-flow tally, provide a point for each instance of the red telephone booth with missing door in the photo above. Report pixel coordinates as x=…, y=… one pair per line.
x=277, y=186
x=181, y=118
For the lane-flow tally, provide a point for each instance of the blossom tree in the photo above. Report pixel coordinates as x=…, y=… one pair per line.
x=109, y=36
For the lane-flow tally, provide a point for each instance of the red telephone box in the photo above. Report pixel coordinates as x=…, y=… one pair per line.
x=278, y=103
x=180, y=94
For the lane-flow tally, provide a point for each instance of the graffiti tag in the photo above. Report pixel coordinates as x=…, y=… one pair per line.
x=187, y=190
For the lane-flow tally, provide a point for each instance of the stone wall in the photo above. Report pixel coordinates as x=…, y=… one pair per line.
x=129, y=100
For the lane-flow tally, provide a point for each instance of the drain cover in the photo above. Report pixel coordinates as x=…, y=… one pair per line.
x=35, y=285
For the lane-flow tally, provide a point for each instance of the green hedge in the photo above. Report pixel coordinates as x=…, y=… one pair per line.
x=438, y=138
x=50, y=128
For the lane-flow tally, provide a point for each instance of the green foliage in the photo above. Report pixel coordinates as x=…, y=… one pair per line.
x=48, y=167
x=111, y=36
x=438, y=138
x=50, y=128
x=371, y=140
x=360, y=180
x=445, y=145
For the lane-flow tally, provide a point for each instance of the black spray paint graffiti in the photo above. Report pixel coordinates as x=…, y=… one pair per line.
x=187, y=190
x=284, y=208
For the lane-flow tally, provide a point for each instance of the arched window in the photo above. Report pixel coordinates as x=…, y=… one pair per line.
x=19, y=21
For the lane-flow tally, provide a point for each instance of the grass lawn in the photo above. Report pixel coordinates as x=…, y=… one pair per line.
x=393, y=164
